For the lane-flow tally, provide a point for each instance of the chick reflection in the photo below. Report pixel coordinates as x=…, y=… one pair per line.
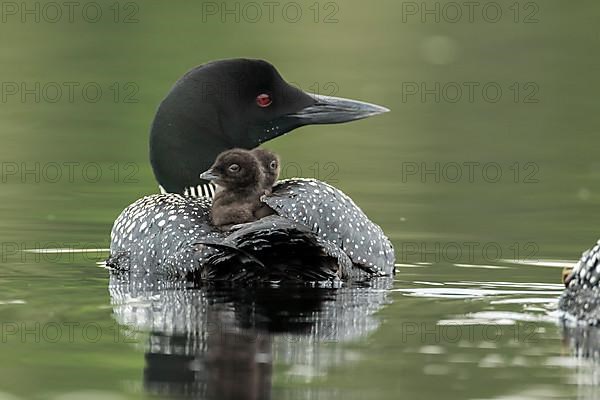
x=221, y=342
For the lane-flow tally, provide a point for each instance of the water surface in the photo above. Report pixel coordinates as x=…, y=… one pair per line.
x=472, y=310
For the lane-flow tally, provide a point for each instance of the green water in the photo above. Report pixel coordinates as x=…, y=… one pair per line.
x=478, y=190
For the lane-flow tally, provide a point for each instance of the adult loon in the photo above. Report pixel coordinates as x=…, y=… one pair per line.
x=580, y=300
x=243, y=103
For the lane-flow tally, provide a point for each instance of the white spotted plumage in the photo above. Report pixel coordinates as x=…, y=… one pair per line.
x=169, y=225
x=586, y=272
x=334, y=217
x=580, y=301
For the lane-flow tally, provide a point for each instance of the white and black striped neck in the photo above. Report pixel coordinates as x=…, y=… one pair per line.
x=206, y=190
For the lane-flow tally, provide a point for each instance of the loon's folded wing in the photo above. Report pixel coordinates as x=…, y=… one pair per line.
x=336, y=219
x=283, y=250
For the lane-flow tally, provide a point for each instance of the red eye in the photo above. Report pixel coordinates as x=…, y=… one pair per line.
x=263, y=100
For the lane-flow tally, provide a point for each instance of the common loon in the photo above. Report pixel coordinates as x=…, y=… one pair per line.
x=240, y=175
x=580, y=300
x=243, y=103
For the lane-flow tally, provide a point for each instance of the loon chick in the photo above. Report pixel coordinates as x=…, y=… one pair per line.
x=240, y=103
x=239, y=173
x=270, y=166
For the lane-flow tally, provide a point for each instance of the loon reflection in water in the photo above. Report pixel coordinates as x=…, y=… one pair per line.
x=318, y=233
x=213, y=342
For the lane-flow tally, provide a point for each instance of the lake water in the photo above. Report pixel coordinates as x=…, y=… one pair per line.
x=484, y=176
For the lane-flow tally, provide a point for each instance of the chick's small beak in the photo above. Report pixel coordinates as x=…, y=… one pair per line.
x=208, y=175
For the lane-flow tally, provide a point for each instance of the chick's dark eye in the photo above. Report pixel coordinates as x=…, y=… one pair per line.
x=263, y=100
x=273, y=165
x=234, y=168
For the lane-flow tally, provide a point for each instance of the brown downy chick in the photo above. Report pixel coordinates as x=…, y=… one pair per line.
x=270, y=168
x=240, y=176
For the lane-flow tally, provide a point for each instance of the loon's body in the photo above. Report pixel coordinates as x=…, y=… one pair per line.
x=581, y=299
x=318, y=233
x=160, y=233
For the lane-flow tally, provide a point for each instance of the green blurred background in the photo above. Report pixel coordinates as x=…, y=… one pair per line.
x=546, y=51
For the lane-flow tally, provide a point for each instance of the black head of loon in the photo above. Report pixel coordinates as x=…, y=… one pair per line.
x=270, y=165
x=233, y=103
x=240, y=176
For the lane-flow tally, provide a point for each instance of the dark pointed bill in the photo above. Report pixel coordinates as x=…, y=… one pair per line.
x=334, y=110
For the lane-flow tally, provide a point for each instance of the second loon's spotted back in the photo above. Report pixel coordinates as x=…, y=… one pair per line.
x=581, y=299
x=586, y=272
